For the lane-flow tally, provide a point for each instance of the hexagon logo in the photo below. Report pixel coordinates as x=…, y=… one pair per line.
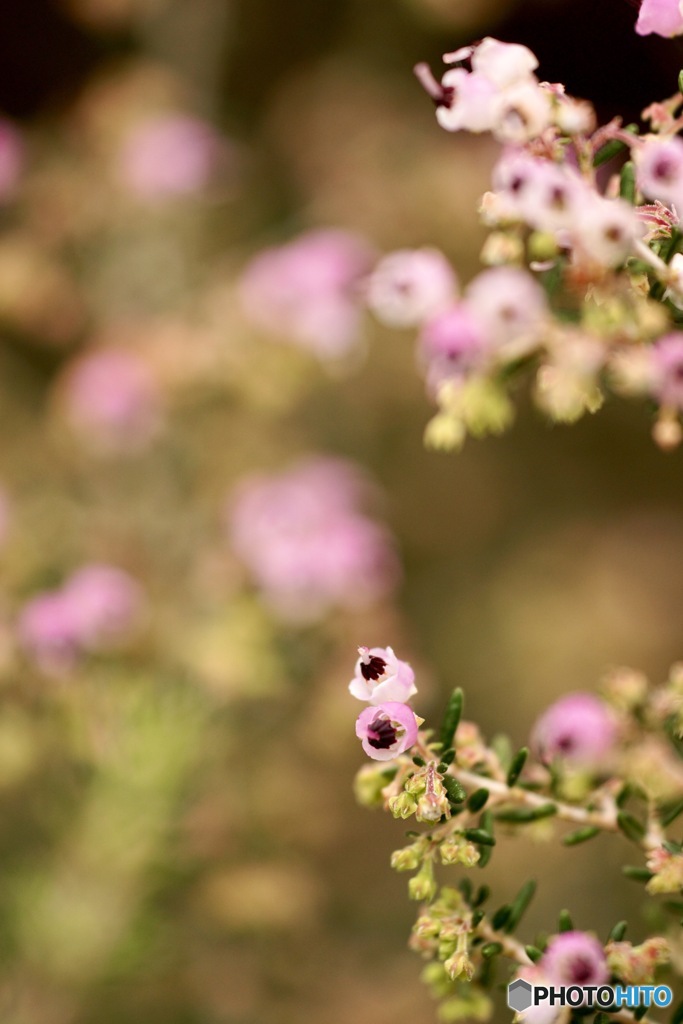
x=519, y=995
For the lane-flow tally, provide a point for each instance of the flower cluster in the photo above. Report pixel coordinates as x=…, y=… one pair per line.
x=607, y=762
x=98, y=609
x=306, y=543
x=584, y=287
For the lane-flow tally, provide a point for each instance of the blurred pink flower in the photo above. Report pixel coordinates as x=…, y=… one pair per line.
x=381, y=676
x=667, y=369
x=574, y=958
x=452, y=344
x=659, y=166
x=106, y=603
x=306, y=544
x=386, y=730
x=12, y=158
x=410, y=285
x=111, y=400
x=578, y=728
x=98, y=608
x=47, y=633
x=307, y=291
x=664, y=17
x=169, y=156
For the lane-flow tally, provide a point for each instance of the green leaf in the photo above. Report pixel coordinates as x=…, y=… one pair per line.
x=454, y=791
x=602, y=1018
x=448, y=756
x=522, y=815
x=677, y=1017
x=516, y=765
x=477, y=835
x=491, y=949
x=465, y=887
x=451, y=718
x=419, y=761
x=637, y=874
x=483, y=893
x=478, y=799
x=534, y=953
x=627, y=182
x=486, y=852
x=581, y=835
x=630, y=826
x=565, y=923
x=618, y=932
x=520, y=904
x=500, y=918
x=613, y=147
x=670, y=812
x=477, y=917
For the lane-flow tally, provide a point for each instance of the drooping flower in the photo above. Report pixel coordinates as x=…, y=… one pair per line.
x=663, y=17
x=386, y=730
x=579, y=728
x=307, y=292
x=410, y=285
x=575, y=958
x=380, y=676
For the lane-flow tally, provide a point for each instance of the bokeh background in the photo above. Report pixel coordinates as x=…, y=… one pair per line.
x=179, y=839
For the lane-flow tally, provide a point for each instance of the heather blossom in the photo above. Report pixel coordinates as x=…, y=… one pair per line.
x=380, y=676
x=170, y=155
x=410, y=285
x=111, y=401
x=308, y=291
x=97, y=609
x=386, y=730
x=452, y=344
x=578, y=728
x=305, y=541
x=575, y=958
x=663, y=17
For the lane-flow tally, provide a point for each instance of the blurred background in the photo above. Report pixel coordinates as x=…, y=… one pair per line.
x=213, y=489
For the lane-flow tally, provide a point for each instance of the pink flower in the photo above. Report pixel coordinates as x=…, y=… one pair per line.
x=386, y=730
x=170, y=155
x=380, y=676
x=659, y=166
x=11, y=159
x=106, y=604
x=606, y=230
x=97, y=609
x=539, y=192
x=410, y=285
x=511, y=306
x=452, y=344
x=307, y=292
x=667, y=369
x=47, y=633
x=111, y=400
x=575, y=958
x=664, y=17
x=578, y=728
x=504, y=64
x=305, y=541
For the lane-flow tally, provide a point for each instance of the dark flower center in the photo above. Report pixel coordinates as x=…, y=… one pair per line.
x=373, y=668
x=381, y=734
x=565, y=743
x=581, y=970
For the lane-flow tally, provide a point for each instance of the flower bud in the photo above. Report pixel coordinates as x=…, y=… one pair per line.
x=403, y=805
x=459, y=966
x=422, y=886
x=368, y=785
x=407, y=859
